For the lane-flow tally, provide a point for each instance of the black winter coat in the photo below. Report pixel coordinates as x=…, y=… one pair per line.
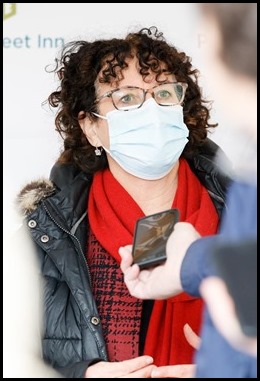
x=57, y=217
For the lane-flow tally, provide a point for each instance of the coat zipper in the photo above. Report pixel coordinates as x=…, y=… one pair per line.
x=73, y=236
x=82, y=255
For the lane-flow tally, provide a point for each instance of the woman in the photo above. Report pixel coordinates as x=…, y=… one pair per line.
x=135, y=143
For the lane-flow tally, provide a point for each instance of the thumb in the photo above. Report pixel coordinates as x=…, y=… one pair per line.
x=193, y=339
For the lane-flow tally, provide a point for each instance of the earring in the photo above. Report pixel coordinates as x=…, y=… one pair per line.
x=98, y=151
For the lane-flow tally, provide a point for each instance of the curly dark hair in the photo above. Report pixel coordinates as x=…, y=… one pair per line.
x=82, y=62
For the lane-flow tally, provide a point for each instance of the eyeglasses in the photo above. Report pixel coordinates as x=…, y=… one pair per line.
x=128, y=98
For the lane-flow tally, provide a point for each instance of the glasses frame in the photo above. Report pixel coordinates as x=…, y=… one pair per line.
x=109, y=94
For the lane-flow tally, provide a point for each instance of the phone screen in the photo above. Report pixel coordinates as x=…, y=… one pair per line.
x=151, y=235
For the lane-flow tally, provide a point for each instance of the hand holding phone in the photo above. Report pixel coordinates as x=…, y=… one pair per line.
x=150, y=237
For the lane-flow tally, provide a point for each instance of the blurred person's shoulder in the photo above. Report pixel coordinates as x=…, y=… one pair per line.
x=22, y=307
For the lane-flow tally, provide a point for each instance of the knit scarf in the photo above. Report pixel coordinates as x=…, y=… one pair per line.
x=112, y=216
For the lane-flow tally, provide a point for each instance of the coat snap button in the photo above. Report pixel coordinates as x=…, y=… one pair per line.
x=45, y=238
x=32, y=224
x=95, y=320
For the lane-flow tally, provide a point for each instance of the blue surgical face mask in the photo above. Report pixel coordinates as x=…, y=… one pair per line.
x=147, y=142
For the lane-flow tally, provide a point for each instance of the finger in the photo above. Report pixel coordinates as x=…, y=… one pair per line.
x=181, y=225
x=132, y=365
x=126, y=257
x=213, y=287
x=126, y=248
x=176, y=371
x=186, y=228
x=145, y=275
x=141, y=373
x=192, y=338
x=138, y=282
x=118, y=369
x=132, y=273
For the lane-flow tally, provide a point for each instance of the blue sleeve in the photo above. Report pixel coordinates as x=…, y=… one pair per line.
x=240, y=218
x=239, y=222
x=217, y=359
x=197, y=264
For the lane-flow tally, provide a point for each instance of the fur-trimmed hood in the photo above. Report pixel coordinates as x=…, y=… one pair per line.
x=34, y=192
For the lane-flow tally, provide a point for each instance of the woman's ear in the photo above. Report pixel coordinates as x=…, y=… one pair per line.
x=89, y=128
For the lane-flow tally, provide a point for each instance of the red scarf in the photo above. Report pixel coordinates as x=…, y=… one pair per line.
x=112, y=216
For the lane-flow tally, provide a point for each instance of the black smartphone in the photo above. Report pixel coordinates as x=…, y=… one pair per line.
x=236, y=264
x=150, y=237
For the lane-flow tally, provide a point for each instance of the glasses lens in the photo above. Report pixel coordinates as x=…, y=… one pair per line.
x=169, y=94
x=128, y=98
